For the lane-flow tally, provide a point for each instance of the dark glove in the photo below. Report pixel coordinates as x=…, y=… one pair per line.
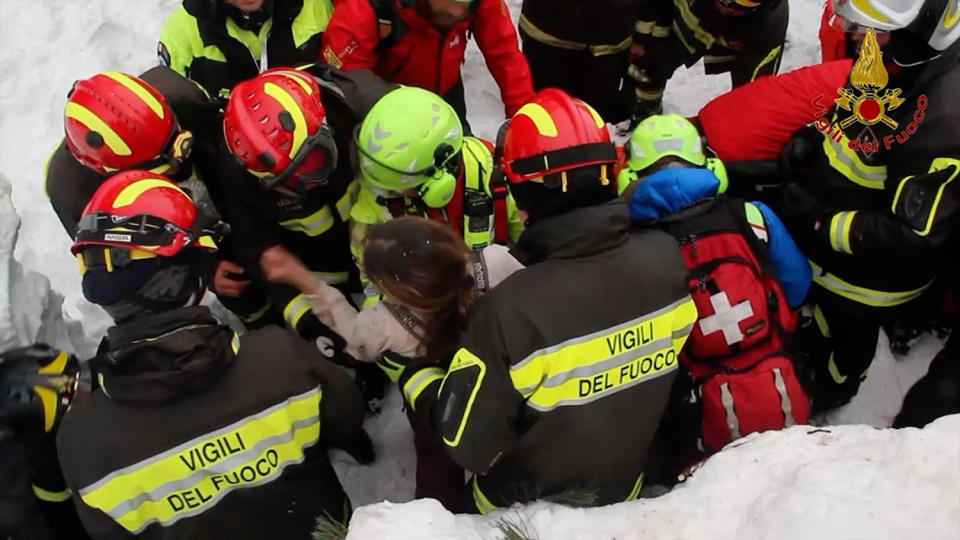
x=802, y=150
x=361, y=448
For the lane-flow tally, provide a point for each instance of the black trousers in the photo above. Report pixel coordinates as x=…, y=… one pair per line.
x=601, y=81
x=937, y=393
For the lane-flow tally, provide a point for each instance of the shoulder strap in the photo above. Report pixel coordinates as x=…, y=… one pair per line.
x=481, y=278
x=754, y=230
x=407, y=318
x=392, y=26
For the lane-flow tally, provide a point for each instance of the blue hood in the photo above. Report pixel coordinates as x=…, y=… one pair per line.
x=669, y=191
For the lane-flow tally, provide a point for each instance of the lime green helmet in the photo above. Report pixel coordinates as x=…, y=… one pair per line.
x=409, y=139
x=664, y=135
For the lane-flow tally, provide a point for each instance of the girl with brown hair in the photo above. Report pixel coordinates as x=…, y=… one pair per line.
x=429, y=279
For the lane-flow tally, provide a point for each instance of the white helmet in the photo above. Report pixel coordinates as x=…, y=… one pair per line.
x=935, y=22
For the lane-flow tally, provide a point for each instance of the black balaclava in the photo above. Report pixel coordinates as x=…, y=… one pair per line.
x=250, y=21
x=583, y=189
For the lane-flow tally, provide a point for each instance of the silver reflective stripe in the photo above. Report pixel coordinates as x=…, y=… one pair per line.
x=601, y=395
x=313, y=225
x=600, y=367
x=193, y=442
x=733, y=423
x=332, y=278
x=856, y=165
x=599, y=333
x=220, y=467
x=785, y=404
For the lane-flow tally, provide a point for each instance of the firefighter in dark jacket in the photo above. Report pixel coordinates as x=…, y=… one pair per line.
x=293, y=130
x=742, y=37
x=37, y=383
x=584, y=49
x=561, y=379
x=219, y=43
x=162, y=122
x=236, y=445
x=875, y=206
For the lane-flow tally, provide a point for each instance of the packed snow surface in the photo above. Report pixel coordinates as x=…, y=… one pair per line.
x=847, y=482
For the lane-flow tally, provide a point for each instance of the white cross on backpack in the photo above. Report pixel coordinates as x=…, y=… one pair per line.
x=726, y=318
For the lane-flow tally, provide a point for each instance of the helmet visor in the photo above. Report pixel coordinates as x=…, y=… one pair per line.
x=313, y=163
x=857, y=30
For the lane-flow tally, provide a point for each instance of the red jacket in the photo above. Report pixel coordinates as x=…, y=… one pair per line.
x=426, y=56
x=757, y=119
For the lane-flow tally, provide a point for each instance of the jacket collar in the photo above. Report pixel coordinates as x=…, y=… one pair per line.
x=579, y=233
x=670, y=191
x=161, y=358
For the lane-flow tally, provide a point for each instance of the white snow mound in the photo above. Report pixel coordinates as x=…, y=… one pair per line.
x=842, y=482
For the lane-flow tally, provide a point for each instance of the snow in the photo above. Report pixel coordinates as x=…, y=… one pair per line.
x=850, y=482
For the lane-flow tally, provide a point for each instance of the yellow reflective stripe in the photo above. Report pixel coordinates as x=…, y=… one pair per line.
x=771, y=57
x=131, y=193
x=419, y=382
x=540, y=118
x=332, y=278
x=937, y=165
x=345, y=204
x=635, y=492
x=834, y=371
x=713, y=59
x=295, y=310
x=290, y=105
x=548, y=39
x=465, y=359
x=94, y=123
x=191, y=477
x=483, y=503
x=137, y=89
x=693, y=24
x=315, y=224
x=840, y=225
x=590, y=367
x=235, y=343
x=821, y=321
x=683, y=40
x=863, y=295
x=647, y=95
x=849, y=164
x=51, y=496
x=257, y=314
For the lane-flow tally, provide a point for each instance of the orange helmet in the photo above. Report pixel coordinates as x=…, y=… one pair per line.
x=275, y=125
x=115, y=121
x=143, y=212
x=554, y=133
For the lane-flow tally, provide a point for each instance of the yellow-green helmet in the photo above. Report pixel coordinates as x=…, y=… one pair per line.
x=408, y=138
x=664, y=135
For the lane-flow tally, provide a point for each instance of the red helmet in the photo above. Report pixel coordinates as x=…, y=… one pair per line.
x=553, y=133
x=273, y=124
x=115, y=121
x=144, y=213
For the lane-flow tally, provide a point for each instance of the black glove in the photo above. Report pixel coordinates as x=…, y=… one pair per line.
x=361, y=448
x=803, y=149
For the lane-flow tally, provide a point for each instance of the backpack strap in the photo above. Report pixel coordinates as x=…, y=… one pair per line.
x=392, y=26
x=407, y=318
x=499, y=192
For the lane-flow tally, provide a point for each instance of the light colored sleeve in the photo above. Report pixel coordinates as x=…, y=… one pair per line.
x=500, y=263
x=368, y=333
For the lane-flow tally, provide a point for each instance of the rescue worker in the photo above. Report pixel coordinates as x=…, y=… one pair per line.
x=165, y=123
x=746, y=276
x=558, y=345
x=37, y=383
x=741, y=37
x=293, y=136
x=874, y=205
x=584, y=49
x=422, y=43
x=219, y=43
x=239, y=425
x=415, y=160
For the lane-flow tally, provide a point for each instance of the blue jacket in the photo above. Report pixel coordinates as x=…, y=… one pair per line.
x=671, y=190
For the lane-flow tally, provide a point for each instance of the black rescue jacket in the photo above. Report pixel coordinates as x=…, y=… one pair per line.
x=196, y=433
x=566, y=366
x=888, y=218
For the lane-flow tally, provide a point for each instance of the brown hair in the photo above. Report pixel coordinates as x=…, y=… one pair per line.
x=422, y=265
